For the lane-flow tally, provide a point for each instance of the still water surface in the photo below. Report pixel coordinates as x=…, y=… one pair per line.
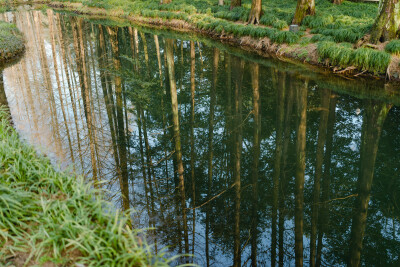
x=231, y=159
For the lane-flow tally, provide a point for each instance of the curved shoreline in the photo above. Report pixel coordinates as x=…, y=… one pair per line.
x=306, y=55
x=296, y=53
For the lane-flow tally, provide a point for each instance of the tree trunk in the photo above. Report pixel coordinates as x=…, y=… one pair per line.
x=239, y=66
x=300, y=171
x=255, y=12
x=375, y=115
x=323, y=219
x=386, y=26
x=113, y=32
x=279, y=80
x=47, y=79
x=177, y=137
x=210, y=147
x=146, y=54
x=255, y=69
x=143, y=169
x=65, y=64
x=55, y=64
x=304, y=8
x=284, y=181
x=192, y=149
x=220, y=2
x=325, y=97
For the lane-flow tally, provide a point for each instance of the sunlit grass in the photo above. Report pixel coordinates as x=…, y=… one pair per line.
x=343, y=55
x=53, y=217
x=347, y=22
x=393, y=47
x=344, y=23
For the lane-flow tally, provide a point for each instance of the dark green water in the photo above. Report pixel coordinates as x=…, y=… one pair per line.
x=217, y=165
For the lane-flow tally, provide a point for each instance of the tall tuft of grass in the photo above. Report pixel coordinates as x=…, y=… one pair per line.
x=50, y=216
x=285, y=37
x=393, y=47
x=371, y=60
x=365, y=59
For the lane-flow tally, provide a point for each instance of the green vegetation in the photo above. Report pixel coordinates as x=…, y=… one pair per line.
x=330, y=27
x=393, y=47
x=11, y=42
x=344, y=23
x=46, y=215
x=347, y=22
x=343, y=55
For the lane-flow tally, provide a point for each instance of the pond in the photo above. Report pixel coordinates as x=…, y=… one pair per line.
x=221, y=154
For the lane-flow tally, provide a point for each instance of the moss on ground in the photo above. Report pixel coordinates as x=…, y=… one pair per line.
x=11, y=41
x=47, y=216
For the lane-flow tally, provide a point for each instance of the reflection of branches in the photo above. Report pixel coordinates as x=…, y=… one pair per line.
x=214, y=197
x=339, y=198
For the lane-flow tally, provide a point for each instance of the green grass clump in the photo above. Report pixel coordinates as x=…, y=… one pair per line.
x=237, y=13
x=285, y=37
x=371, y=60
x=11, y=42
x=51, y=216
x=319, y=37
x=318, y=21
x=365, y=59
x=393, y=47
x=341, y=35
x=338, y=55
x=279, y=24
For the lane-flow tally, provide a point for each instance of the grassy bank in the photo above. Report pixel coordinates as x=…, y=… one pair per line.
x=11, y=41
x=334, y=29
x=48, y=217
x=327, y=39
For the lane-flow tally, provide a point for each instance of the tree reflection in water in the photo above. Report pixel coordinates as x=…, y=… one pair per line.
x=235, y=161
